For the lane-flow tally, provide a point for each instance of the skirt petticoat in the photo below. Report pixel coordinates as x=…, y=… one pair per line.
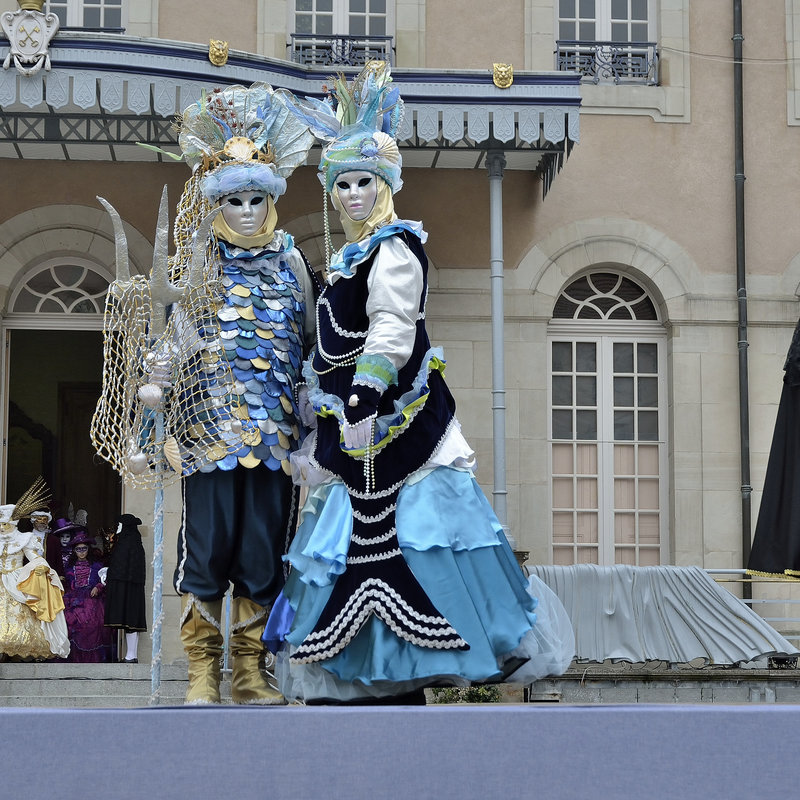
x=456, y=549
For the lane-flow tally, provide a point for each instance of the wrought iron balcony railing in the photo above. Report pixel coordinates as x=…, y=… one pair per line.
x=609, y=62
x=345, y=51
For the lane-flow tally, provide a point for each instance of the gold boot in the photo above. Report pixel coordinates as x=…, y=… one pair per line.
x=202, y=641
x=248, y=685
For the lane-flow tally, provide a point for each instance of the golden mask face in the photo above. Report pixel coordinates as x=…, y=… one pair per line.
x=503, y=75
x=218, y=52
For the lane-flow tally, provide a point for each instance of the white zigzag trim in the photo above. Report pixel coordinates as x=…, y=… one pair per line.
x=323, y=301
x=378, y=540
x=194, y=600
x=382, y=591
x=374, y=606
x=374, y=495
x=240, y=626
x=378, y=517
x=377, y=557
x=373, y=383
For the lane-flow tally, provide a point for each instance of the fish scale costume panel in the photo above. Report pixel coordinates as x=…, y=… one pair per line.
x=261, y=336
x=236, y=526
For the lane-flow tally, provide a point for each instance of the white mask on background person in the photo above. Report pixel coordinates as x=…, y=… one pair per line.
x=357, y=192
x=245, y=212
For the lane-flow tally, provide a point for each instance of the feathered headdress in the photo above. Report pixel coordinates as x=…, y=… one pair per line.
x=34, y=499
x=243, y=138
x=358, y=121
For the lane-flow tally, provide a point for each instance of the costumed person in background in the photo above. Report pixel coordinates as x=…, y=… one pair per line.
x=125, y=579
x=401, y=574
x=776, y=542
x=40, y=520
x=64, y=530
x=227, y=362
x=32, y=624
x=84, y=605
x=97, y=543
x=52, y=544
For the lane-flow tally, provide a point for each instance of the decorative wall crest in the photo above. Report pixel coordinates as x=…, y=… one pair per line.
x=29, y=32
x=503, y=75
x=217, y=52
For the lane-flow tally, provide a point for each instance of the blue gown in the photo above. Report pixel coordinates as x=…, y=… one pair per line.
x=377, y=637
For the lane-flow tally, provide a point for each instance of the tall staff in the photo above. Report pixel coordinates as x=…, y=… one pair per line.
x=156, y=365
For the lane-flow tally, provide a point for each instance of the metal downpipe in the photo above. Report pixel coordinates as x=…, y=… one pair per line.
x=495, y=163
x=741, y=289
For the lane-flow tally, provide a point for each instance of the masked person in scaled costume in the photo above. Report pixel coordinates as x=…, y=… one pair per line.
x=401, y=574
x=223, y=373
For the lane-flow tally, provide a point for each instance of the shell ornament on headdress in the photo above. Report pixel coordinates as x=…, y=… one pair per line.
x=358, y=121
x=243, y=138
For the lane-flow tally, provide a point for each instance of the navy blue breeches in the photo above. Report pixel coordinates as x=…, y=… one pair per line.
x=235, y=528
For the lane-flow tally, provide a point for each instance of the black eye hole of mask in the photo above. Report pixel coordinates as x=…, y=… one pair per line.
x=254, y=201
x=362, y=182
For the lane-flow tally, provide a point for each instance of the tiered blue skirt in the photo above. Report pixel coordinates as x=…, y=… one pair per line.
x=455, y=546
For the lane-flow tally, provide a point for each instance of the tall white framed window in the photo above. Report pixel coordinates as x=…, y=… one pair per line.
x=608, y=425
x=347, y=32
x=87, y=13
x=608, y=41
x=607, y=20
x=342, y=17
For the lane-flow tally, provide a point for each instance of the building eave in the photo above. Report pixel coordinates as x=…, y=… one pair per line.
x=98, y=81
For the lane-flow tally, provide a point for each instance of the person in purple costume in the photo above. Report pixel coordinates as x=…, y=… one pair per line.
x=84, y=607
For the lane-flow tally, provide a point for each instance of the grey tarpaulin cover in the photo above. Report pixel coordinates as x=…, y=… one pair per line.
x=674, y=614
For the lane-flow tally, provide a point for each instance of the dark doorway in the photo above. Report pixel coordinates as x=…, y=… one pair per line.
x=54, y=383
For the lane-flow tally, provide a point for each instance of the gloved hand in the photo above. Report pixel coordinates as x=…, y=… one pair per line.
x=360, y=412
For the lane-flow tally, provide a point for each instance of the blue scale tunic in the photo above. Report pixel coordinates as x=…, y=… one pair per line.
x=261, y=337
x=239, y=508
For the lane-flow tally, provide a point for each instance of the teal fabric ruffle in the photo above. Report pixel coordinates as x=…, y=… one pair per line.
x=455, y=546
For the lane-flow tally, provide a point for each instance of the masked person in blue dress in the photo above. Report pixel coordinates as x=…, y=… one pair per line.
x=401, y=574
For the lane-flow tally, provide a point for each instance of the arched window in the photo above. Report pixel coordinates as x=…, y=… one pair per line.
x=608, y=418
x=61, y=287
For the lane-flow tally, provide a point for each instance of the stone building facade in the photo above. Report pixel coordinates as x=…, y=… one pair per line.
x=622, y=305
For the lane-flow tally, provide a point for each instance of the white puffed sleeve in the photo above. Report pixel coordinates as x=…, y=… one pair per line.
x=395, y=288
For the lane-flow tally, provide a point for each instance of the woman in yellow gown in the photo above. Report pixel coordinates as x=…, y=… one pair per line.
x=31, y=609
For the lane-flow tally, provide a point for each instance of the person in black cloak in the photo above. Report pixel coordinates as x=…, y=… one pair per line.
x=125, y=584
x=776, y=543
